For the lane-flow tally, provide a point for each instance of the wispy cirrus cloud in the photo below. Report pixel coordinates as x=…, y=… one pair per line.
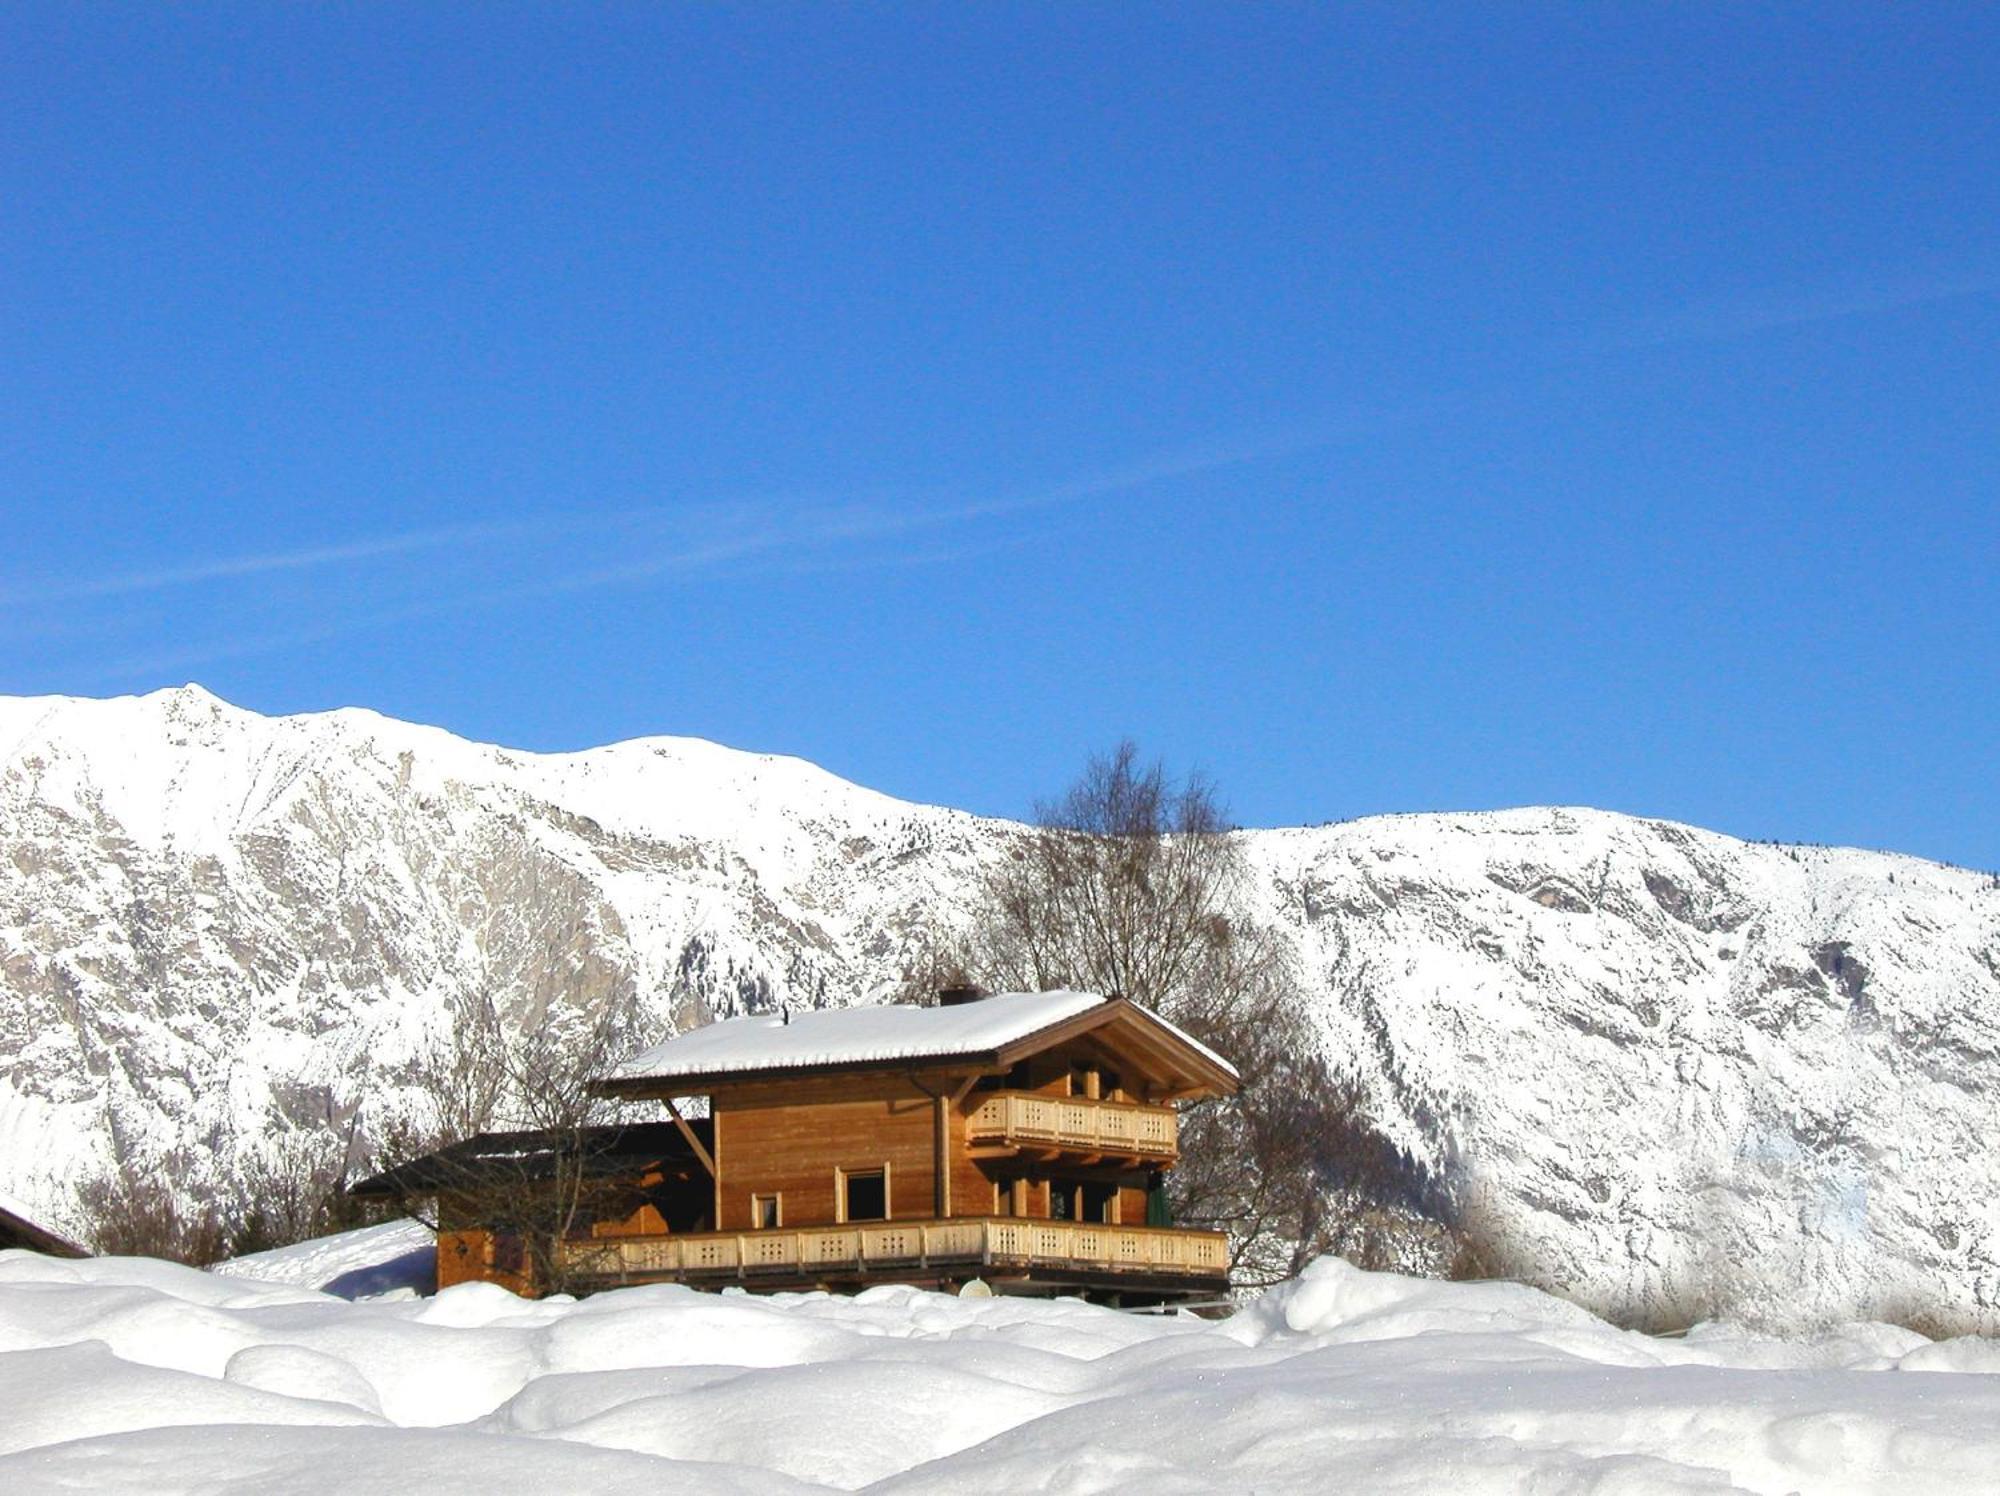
x=258, y=602
x=1745, y=313
x=263, y=563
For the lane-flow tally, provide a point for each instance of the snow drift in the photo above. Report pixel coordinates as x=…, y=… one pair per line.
x=130, y=1375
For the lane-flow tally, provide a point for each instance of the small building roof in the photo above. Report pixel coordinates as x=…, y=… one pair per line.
x=980, y=1033
x=511, y=1157
x=19, y=1229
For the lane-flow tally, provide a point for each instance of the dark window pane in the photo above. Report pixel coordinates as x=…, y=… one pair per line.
x=867, y=1197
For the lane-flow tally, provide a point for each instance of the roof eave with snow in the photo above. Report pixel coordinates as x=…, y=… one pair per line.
x=987, y=1035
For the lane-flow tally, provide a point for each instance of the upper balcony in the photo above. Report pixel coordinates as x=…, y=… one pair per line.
x=1026, y=1121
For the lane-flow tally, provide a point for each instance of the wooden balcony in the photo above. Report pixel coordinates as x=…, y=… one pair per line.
x=995, y=1248
x=1027, y=1121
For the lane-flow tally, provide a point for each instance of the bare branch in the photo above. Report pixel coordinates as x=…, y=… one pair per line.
x=1127, y=885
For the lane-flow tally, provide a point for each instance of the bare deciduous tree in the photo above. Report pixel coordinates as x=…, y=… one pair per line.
x=531, y=1085
x=1129, y=884
x=293, y=1187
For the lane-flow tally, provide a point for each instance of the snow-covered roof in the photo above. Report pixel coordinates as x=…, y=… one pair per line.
x=863, y=1036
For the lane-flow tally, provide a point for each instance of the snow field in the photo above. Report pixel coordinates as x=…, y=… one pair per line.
x=129, y=1375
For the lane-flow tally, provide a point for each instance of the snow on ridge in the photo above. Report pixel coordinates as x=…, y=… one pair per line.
x=171, y=762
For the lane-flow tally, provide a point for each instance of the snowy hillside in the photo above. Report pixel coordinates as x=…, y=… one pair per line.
x=124, y=1375
x=1671, y=1072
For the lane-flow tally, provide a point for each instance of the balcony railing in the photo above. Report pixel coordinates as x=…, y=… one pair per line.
x=984, y=1243
x=1075, y=1123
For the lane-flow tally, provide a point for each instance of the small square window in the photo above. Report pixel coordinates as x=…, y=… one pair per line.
x=766, y=1212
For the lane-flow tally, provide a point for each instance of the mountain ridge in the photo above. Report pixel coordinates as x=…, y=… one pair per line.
x=1670, y=1072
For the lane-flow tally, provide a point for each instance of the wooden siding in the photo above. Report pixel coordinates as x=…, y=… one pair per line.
x=795, y=1139
x=477, y=1255
x=796, y=1143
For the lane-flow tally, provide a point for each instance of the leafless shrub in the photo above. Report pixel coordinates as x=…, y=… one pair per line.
x=294, y=1187
x=139, y=1215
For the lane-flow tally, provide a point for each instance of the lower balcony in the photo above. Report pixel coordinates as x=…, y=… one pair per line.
x=1006, y=1252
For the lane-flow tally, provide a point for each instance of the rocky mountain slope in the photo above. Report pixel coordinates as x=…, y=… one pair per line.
x=1671, y=1073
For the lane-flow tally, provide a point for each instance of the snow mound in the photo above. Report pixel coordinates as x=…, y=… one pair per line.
x=122, y=1375
x=397, y=1257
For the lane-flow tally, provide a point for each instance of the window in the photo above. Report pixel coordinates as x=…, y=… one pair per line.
x=507, y=1252
x=766, y=1212
x=1071, y=1201
x=864, y=1195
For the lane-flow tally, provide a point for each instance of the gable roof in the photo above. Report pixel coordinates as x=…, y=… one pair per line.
x=989, y=1033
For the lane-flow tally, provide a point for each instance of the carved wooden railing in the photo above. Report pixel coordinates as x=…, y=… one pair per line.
x=1075, y=1122
x=981, y=1242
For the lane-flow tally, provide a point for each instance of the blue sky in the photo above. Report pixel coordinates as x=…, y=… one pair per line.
x=1381, y=408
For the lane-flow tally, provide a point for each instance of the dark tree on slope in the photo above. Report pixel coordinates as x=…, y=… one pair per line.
x=1126, y=885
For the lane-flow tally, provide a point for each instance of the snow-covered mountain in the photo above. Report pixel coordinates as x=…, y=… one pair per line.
x=1671, y=1072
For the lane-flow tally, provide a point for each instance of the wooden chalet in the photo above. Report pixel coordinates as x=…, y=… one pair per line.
x=1021, y=1140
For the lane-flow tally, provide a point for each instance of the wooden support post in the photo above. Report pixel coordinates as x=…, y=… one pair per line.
x=941, y=1159
x=941, y=1146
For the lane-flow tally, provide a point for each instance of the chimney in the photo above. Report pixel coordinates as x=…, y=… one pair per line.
x=954, y=997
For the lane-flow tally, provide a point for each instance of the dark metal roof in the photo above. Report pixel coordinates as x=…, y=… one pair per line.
x=504, y=1157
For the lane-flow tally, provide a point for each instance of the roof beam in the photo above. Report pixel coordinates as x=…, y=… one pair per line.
x=693, y=1142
